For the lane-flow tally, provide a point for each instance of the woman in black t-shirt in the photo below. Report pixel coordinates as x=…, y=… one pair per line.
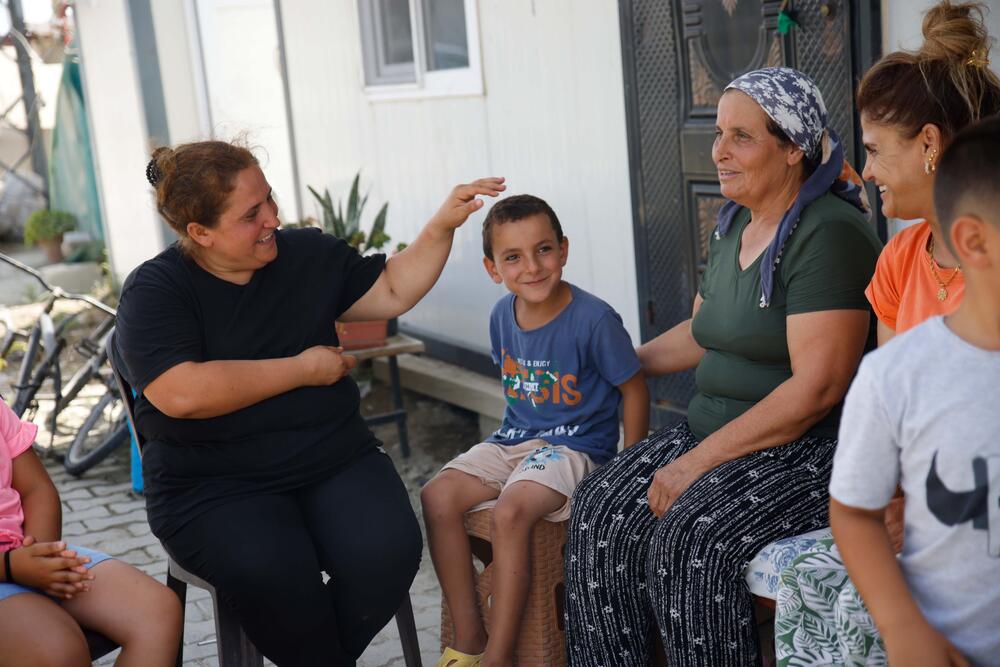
x=260, y=473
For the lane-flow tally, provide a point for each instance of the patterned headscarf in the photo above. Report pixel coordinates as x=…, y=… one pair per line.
x=794, y=102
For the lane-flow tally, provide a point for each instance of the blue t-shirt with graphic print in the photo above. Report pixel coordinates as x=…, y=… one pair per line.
x=560, y=380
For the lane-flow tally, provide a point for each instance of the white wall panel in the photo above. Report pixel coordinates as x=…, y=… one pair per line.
x=552, y=121
x=180, y=77
x=118, y=132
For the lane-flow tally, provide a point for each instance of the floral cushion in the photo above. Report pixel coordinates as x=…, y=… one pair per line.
x=762, y=574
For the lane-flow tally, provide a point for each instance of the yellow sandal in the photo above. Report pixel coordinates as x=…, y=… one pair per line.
x=453, y=658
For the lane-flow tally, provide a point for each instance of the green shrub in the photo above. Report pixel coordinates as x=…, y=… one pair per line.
x=43, y=225
x=347, y=224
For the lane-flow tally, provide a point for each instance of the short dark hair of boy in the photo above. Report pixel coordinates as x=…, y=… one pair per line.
x=513, y=209
x=968, y=176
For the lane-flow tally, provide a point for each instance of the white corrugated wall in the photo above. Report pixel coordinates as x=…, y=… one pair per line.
x=552, y=121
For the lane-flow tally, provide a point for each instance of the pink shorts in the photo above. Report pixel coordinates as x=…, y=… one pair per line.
x=553, y=466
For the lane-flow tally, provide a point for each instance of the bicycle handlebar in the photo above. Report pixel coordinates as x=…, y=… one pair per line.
x=57, y=291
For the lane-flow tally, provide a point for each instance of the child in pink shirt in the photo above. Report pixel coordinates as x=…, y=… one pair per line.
x=49, y=589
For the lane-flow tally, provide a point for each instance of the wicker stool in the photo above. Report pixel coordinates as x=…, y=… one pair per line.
x=541, y=642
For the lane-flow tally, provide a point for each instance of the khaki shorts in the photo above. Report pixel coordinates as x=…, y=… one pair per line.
x=553, y=466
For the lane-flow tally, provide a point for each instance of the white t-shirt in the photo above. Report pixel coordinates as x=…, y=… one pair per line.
x=924, y=413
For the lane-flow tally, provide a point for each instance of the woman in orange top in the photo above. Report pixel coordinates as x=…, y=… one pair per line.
x=911, y=105
x=915, y=278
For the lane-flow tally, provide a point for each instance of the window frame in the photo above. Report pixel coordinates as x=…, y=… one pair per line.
x=461, y=81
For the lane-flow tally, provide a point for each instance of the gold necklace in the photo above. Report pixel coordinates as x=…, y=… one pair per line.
x=942, y=292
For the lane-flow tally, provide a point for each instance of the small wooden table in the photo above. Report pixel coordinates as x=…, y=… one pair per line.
x=395, y=345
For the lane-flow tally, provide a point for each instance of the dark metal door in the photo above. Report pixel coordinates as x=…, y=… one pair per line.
x=678, y=57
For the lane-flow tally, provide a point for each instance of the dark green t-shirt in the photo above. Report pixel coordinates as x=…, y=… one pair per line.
x=826, y=265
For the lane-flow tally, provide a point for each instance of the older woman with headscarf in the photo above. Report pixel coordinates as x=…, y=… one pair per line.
x=660, y=535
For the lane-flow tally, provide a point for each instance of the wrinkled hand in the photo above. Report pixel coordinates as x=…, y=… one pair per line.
x=324, y=365
x=671, y=481
x=51, y=568
x=922, y=645
x=462, y=202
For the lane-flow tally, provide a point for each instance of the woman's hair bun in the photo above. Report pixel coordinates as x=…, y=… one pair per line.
x=161, y=165
x=955, y=32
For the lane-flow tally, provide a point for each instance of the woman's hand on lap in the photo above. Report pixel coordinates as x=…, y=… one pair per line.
x=671, y=481
x=324, y=365
x=50, y=567
x=462, y=202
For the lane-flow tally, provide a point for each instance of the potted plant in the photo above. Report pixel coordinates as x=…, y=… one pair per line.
x=46, y=228
x=345, y=223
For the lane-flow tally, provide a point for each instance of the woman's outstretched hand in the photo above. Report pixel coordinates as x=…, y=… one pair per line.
x=462, y=202
x=671, y=481
x=324, y=365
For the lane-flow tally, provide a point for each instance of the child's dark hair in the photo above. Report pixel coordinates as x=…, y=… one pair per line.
x=513, y=209
x=968, y=174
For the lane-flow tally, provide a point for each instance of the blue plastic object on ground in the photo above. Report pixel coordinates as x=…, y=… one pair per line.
x=136, y=465
x=136, y=459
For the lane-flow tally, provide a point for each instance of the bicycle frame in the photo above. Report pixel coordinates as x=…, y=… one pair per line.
x=46, y=335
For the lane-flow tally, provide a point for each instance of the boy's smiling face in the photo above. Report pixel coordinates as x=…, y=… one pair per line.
x=527, y=258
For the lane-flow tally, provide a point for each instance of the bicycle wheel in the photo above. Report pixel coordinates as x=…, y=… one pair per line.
x=95, y=355
x=80, y=379
x=104, y=429
x=25, y=392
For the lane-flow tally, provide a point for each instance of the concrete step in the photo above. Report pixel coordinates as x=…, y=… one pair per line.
x=456, y=385
x=447, y=382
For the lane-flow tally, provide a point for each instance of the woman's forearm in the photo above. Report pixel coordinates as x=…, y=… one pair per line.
x=672, y=351
x=201, y=390
x=780, y=417
x=864, y=545
x=193, y=390
x=411, y=273
x=825, y=348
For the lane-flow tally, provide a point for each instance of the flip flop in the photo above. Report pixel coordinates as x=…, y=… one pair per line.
x=453, y=658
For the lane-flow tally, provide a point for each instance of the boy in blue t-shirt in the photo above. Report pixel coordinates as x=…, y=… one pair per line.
x=567, y=363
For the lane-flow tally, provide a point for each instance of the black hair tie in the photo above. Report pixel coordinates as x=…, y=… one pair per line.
x=153, y=173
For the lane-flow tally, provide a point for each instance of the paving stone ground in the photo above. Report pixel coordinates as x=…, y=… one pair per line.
x=101, y=511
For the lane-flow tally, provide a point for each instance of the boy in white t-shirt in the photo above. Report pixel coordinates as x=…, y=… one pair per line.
x=923, y=413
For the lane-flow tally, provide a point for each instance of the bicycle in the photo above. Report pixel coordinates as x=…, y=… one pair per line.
x=105, y=427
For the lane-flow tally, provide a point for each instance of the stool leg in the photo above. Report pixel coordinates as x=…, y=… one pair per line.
x=180, y=590
x=397, y=402
x=235, y=648
x=408, y=633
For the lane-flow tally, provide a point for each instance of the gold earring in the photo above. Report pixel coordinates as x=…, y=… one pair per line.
x=929, y=166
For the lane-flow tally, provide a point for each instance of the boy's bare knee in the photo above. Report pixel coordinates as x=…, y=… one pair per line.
x=434, y=496
x=440, y=497
x=511, y=516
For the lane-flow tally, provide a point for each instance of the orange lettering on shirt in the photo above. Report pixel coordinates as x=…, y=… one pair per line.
x=570, y=395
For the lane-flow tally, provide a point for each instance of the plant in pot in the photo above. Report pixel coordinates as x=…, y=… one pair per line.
x=46, y=228
x=345, y=223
